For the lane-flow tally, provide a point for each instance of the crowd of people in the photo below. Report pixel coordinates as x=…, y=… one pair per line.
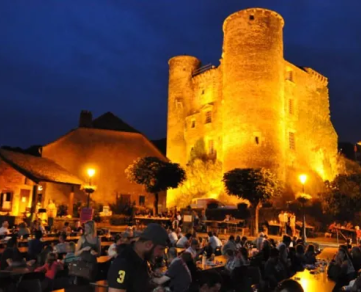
x=48, y=257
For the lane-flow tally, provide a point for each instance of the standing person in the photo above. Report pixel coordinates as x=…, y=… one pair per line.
x=51, y=212
x=281, y=220
x=4, y=230
x=293, y=224
x=129, y=271
x=88, y=247
x=50, y=269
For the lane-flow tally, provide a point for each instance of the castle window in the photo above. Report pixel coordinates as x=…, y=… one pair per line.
x=178, y=103
x=251, y=17
x=193, y=124
x=141, y=200
x=290, y=107
x=292, y=141
x=289, y=75
x=256, y=140
x=208, y=117
x=211, y=147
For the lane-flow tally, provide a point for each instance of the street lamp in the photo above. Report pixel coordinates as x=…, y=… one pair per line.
x=89, y=189
x=303, y=199
x=303, y=179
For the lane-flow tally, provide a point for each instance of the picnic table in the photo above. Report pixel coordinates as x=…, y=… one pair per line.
x=231, y=223
x=219, y=262
x=317, y=280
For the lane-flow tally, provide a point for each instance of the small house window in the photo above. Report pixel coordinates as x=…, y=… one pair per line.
x=256, y=140
x=5, y=201
x=292, y=141
x=289, y=75
x=193, y=124
x=251, y=17
x=141, y=200
x=208, y=117
x=125, y=199
x=290, y=107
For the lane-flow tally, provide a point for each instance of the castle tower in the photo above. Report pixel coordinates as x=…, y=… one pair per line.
x=180, y=96
x=253, y=75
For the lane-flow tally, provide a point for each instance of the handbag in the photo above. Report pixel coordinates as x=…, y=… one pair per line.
x=80, y=268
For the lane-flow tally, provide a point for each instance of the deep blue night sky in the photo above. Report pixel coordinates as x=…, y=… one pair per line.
x=59, y=57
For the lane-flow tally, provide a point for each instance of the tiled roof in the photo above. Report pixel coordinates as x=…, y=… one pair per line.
x=38, y=169
x=109, y=121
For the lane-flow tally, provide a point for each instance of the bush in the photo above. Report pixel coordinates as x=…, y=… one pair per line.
x=118, y=220
x=62, y=210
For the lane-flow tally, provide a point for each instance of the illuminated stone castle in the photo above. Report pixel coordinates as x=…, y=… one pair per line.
x=255, y=109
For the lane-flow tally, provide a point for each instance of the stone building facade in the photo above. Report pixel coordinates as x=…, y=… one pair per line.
x=255, y=109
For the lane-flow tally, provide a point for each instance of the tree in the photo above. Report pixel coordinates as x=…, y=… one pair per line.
x=155, y=175
x=255, y=185
x=342, y=197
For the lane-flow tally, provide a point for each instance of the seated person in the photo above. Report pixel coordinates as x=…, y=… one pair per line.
x=179, y=273
x=35, y=246
x=70, y=253
x=79, y=230
x=232, y=261
x=183, y=242
x=66, y=228
x=4, y=229
x=11, y=257
x=112, y=250
x=61, y=247
x=194, y=249
x=310, y=255
x=23, y=230
x=289, y=285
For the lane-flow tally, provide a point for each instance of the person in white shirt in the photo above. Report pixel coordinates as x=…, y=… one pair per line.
x=4, y=230
x=62, y=246
x=214, y=241
x=193, y=249
x=173, y=237
x=259, y=241
x=183, y=242
x=119, y=241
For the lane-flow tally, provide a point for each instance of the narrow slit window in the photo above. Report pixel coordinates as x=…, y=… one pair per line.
x=290, y=107
x=256, y=140
x=193, y=124
x=211, y=147
x=292, y=141
x=208, y=117
x=289, y=75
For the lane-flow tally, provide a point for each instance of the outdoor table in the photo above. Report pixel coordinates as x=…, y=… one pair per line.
x=327, y=253
x=103, y=259
x=222, y=260
x=233, y=223
x=180, y=250
x=23, y=250
x=314, y=282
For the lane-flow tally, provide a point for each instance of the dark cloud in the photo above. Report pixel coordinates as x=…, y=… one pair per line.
x=58, y=57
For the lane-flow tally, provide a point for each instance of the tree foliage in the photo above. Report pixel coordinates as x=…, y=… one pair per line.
x=155, y=175
x=342, y=197
x=255, y=185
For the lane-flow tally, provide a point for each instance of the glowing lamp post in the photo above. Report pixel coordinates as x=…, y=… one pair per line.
x=303, y=179
x=303, y=199
x=89, y=189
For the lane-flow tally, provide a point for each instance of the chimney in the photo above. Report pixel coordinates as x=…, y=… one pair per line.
x=85, y=119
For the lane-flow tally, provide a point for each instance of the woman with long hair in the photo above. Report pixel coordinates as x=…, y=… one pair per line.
x=88, y=247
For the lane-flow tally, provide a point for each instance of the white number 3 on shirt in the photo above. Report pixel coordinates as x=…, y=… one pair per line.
x=121, y=277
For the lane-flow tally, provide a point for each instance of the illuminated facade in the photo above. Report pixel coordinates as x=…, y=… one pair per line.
x=255, y=109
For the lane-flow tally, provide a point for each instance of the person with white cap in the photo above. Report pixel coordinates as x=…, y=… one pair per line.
x=129, y=271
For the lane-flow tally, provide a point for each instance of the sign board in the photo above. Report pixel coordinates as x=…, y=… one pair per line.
x=187, y=218
x=86, y=215
x=106, y=210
